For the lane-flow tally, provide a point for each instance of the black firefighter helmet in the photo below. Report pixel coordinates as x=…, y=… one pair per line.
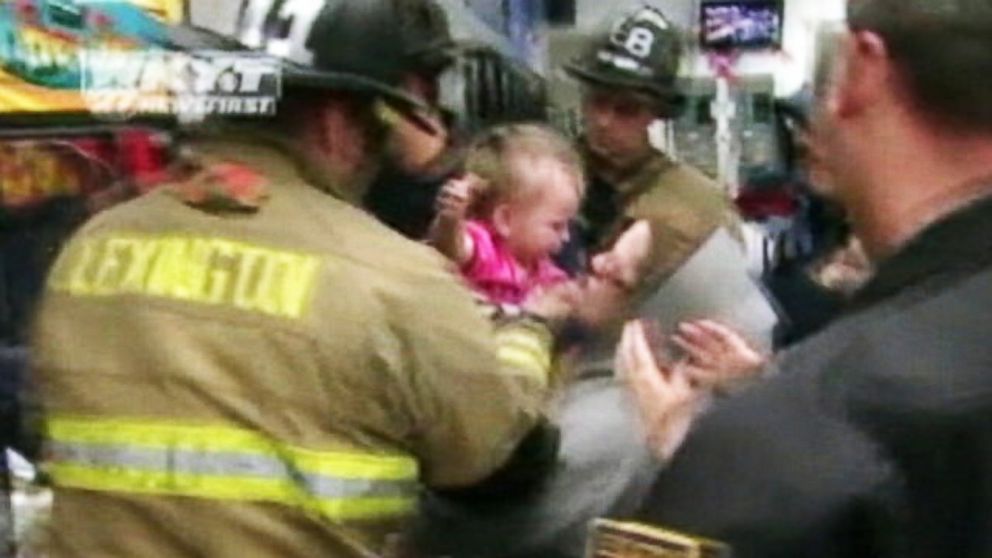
x=365, y=46
x=642, y=53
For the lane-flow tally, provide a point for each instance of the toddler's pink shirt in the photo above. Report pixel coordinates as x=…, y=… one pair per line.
x=494, y=272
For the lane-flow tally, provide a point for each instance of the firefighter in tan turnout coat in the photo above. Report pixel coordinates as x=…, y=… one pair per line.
x=243, y=364
x=629, y=81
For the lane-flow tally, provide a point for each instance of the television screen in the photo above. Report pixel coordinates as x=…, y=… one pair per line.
x=41, y=42
x=741, y=23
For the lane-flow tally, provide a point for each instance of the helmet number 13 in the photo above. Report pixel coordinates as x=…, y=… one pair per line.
x=270, y=24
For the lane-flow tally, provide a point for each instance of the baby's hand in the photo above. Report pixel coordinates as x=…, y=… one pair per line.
x=456, y=196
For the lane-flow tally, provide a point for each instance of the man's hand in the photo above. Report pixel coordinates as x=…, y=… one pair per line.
x=556, y=303
x=613, y=277
x=717, y=355
x=624, y=262
x=662, y=391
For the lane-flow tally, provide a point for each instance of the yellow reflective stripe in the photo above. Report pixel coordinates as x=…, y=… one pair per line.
x=179, y=484
x=525, y=350
x=227, y=489
x=155, y=434
x=355, y=465
x=366, y=508
x=225, y=463
x=526, y=341
x=522, y=362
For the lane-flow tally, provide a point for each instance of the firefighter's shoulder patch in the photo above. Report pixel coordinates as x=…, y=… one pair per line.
x=222, y=187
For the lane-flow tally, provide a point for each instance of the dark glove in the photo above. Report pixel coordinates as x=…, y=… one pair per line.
x=531, y=463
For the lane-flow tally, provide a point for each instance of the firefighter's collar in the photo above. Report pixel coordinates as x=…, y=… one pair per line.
x=272, y=159
x=633, y=180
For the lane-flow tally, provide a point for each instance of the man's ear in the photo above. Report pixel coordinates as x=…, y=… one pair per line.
x=342, y=140
x=501, y=219
x=336, y=123
x=861, y=76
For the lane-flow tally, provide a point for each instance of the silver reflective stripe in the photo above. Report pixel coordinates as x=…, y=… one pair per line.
x=225, y=464
x=330, y=487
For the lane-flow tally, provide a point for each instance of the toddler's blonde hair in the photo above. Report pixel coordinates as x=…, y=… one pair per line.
x=492, y=155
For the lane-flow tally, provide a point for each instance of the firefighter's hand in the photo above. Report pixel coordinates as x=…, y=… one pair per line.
x=556, y=303
x=624, y=262
x=662, y=391
x=717, y=355
x=455, y=197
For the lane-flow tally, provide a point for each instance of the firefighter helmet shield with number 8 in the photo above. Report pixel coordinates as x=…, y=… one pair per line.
x=638, y=42
x=642, y=52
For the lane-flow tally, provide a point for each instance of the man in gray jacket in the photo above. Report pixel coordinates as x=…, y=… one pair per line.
x=875, y=437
